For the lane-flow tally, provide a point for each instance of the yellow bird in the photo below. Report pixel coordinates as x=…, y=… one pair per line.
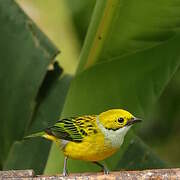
x=90, y=137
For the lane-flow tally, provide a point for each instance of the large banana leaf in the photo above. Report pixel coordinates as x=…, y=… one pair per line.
x=146, y=32
x=122, y=27
x=23, y=155
x=25, y=54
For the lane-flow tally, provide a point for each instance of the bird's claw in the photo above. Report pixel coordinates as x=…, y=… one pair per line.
x=106, y=170
x=65, y=173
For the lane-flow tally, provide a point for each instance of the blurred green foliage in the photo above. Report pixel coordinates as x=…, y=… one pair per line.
x=77, y=8
x=129, y=59
x=162, y=130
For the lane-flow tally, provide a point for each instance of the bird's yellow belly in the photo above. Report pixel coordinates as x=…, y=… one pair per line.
x=92, y=148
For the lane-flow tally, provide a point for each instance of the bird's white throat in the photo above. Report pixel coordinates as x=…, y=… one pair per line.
x=115, y=137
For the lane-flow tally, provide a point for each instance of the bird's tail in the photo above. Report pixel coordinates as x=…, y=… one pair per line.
x=38, y=134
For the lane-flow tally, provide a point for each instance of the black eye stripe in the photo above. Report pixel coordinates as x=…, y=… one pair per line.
x=120, y=120
x=114, y=129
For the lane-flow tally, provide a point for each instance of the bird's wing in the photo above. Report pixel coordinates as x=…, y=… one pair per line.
x=73, y=129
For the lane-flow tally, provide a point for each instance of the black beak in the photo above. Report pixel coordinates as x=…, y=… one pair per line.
x=133, y=121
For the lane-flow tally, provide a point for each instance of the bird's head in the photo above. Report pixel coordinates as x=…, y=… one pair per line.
x=117, y=118
x=114, y=124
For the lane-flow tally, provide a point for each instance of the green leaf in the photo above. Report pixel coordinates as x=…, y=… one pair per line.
x=122, y=27
x=133, y=82
x=30, y=154
x=137, y=155
x=140, y=25
x=25, y=54
x=161, y=130
x=51, y=107
x=81, y=13
x=33, y=153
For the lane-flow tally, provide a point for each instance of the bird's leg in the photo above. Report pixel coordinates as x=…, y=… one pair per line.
x=104, y=168
x=65, y=172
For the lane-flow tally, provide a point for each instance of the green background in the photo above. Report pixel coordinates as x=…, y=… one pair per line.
x=128, y=55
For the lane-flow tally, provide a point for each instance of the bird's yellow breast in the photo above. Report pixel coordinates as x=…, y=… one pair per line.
x=92, y=148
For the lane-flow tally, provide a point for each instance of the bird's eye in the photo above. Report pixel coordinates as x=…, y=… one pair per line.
x=120, y=120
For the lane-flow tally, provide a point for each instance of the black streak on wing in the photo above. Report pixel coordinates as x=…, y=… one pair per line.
x=67, y=130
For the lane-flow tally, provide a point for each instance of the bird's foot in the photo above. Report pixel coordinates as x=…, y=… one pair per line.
x=106, y=170
x=103, y=167
x=65, y=172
